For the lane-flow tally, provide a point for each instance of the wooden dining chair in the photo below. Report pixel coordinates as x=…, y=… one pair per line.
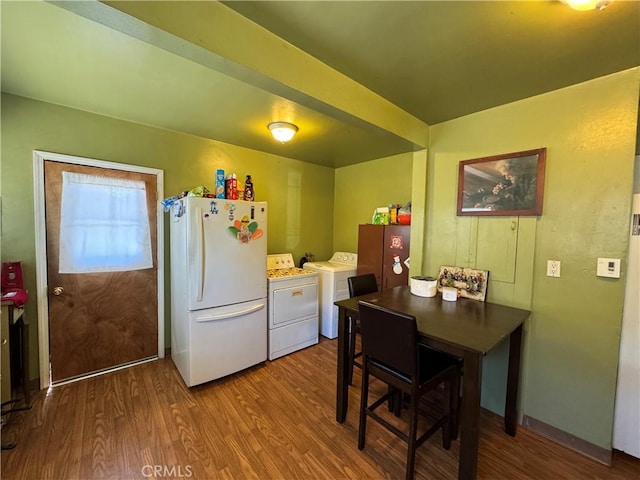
x=392, y=353
x=358, y=285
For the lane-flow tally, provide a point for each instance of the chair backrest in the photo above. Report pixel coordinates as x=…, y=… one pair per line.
x=389, y=337
x=362, y=284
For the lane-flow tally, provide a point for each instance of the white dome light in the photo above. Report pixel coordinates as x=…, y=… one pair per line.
x=587, y=4
x=283, y=131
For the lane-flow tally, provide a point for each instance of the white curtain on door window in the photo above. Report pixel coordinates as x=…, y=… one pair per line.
x=104, y=225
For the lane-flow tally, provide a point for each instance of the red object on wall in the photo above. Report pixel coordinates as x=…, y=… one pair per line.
x=12, y=284
x=12, y=276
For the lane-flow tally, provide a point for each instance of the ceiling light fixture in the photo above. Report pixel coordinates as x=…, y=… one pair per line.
x=283, y=131
x=587, y=4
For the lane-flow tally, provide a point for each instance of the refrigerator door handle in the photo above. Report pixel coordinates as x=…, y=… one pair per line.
x=237, y=313
x=200, y=259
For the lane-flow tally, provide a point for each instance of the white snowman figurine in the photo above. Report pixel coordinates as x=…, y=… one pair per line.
x=397, y=266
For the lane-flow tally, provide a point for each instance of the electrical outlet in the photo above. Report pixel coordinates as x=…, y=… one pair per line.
x=553, y=268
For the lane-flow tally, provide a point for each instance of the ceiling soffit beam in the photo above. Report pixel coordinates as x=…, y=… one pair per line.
x=213, y=35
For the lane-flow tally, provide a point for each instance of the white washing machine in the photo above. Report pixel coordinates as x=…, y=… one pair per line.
x=333, y=276
x=293, y=306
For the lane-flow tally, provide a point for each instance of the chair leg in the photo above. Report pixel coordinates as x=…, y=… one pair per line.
x=447, y=402
x=456, y=400
x=352, y=352
x=413, y=432
x=364, y=394
x=398, y=402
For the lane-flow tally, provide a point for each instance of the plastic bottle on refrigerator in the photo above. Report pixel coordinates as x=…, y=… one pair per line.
x=249, y=195
x=231, y=187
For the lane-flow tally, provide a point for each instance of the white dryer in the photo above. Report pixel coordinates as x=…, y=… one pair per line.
x=332, y=282
x=293, y=306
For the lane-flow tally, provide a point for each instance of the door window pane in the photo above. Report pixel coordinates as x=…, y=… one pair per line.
x=104, y=225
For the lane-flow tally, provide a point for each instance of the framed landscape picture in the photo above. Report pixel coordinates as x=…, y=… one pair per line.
x=511, y=184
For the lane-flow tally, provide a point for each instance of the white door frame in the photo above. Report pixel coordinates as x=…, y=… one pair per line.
x=41, y=247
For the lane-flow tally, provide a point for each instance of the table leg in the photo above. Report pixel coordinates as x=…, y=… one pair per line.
x=513, y=375
x=342, y=383
x=25, y=361
x=470, y=416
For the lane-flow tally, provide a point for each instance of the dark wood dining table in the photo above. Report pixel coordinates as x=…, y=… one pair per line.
x=467, y=329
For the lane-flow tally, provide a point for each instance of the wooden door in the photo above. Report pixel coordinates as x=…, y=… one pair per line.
x=98, y=321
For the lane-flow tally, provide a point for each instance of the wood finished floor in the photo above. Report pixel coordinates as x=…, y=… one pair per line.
x=273, y=421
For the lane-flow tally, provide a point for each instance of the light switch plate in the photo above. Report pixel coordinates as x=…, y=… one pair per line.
x=608, y=267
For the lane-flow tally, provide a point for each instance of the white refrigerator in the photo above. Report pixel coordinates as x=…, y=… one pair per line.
x=218, y=287
x=626, y=424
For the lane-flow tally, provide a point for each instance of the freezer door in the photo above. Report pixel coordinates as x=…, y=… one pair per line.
x=225, y=340
x=227, y=252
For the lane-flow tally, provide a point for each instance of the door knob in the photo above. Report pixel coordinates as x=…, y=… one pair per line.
x=58, y=291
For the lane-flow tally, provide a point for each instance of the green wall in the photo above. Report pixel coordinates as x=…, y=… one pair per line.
x=300, y=195
x=572, y=337
x=362, y=187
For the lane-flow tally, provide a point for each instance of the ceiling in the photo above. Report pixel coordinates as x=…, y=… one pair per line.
x=440, y=60
x=361, y=79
